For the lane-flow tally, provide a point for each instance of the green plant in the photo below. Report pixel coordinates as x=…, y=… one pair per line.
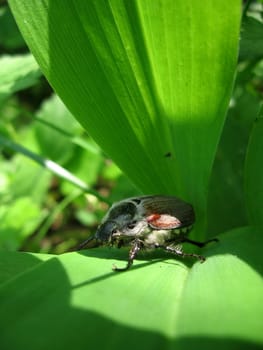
x=151, y=82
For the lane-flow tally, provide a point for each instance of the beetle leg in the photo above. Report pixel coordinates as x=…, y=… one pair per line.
x=132, y=255
x=199, y=244
x=178, y=251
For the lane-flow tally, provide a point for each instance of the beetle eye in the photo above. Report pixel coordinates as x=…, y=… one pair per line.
x=131, y=225
x=114, y=231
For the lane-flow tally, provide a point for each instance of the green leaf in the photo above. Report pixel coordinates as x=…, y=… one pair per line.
x=74, y=299
x=10, y=37
x=226, y=198
x=18, y=220
x=21, y=173
x=17, y=73
x=251, y=44
x=150, y=80
x=254, y=173
x=24, y=173
x=53, y=111
x=86, y=164
x=13, y=264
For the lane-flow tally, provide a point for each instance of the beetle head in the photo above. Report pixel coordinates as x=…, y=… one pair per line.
x=105, y=231
x=121, y=222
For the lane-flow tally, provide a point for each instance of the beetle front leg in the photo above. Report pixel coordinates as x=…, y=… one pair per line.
x=132, y=255
x=178, y=251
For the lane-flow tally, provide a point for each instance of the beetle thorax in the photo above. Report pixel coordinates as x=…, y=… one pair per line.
x=130, y=230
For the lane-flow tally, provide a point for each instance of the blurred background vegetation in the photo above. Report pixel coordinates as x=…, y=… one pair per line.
x=41, y=210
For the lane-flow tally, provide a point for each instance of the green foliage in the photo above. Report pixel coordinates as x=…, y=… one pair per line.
x=10, y=37
x=129, y=77
x=253, y=173
x=151, y=82
x=158, y=304
x=17, y=73
x=54, y=112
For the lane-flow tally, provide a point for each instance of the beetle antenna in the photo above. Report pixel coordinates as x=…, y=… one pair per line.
x=86, y=242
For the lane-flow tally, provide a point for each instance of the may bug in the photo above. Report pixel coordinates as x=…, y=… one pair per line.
x=147, y=222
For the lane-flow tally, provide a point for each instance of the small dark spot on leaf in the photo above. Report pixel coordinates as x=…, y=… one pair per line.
x=168, y=155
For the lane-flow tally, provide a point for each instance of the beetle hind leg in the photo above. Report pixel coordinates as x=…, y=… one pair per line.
x=178, y=251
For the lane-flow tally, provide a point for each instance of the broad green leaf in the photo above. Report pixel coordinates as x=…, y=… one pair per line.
x=149, y=80
x=75, y=300
x=13, y=264
x=254, y=173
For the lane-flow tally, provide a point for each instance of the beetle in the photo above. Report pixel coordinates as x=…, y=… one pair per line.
x=146, y=222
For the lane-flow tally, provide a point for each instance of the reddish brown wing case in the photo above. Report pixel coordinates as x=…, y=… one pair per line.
x=177, y=212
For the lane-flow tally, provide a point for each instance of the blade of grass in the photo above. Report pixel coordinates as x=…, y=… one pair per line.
x=51, y=166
